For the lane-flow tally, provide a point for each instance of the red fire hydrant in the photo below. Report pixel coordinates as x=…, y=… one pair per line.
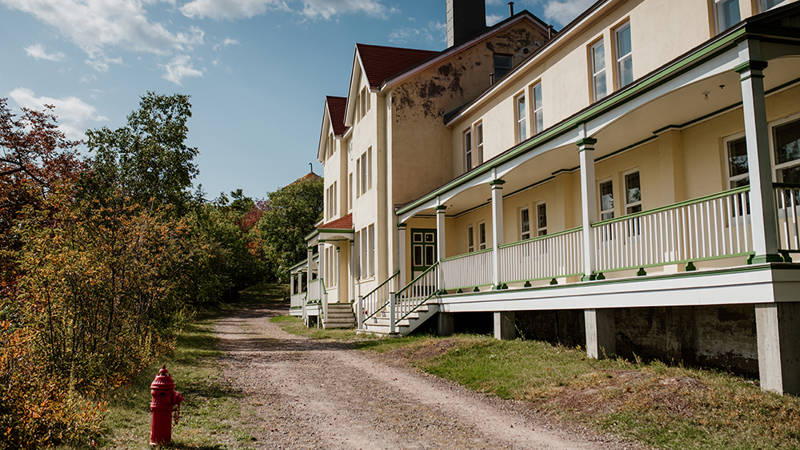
x=166, y=401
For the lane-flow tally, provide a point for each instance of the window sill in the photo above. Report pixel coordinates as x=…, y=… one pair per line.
x=366, y=280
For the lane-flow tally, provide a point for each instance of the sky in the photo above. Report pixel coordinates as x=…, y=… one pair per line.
x=257, y=71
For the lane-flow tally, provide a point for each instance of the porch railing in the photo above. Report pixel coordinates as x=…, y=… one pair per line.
x=416, y=293
x=377, y=299
x=712, y=227
x=467, y=271
x=787, y=200
x=541, y=258
x=313, y=290
x=297, y=300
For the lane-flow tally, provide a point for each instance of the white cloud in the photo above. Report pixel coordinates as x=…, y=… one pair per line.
x=179, y=68
x=97, y=26
x=562, y=12
x=225, y=43
x=492, y=19
x=432, y=32
x=310, y=9
x=73, y=113
x=37, y=51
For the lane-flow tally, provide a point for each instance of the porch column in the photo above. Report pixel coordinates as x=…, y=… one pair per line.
x=310, y=256
x=601, y=332
x=778, y=337
x=588, y=204
x=292, y=279
x=401, y=254
x=440, y=242
x=321, y=277
x=504, y=325
x=762, y=195
x=497, y=229
x=351, y=284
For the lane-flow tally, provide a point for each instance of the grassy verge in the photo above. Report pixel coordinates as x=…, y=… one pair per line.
x=658, y=405
x=211, y=410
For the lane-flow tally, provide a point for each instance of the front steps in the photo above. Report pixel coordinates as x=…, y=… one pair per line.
x=340, y=315
x=379, y=323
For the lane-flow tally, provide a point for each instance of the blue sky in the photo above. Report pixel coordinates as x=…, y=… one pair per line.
x=257, y=70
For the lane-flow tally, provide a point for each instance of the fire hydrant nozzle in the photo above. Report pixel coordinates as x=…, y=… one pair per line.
x=165, y=404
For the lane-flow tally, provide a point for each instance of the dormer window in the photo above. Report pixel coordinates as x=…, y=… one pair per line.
x=502, y=65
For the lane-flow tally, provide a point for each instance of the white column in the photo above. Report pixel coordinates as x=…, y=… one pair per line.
x=778, y=338
x=292, y=278
x=497, y=229
x=440, y=242
x=762, y=195
x=310, y=253
x=352, y=279
x=401, y=255
x=323, y=298
x=601, y=334
x=588, y=204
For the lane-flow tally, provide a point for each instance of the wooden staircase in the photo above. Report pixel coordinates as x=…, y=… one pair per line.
x=380, y=324
x=340, y=315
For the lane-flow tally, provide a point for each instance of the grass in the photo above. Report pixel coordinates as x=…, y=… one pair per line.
x=652, y=403
x=211, y=412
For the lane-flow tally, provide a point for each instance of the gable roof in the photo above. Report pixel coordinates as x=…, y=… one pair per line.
x=380, y=62
x=342, y=223
x=336, y=107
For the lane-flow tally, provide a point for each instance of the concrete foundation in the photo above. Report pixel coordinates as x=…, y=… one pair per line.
x=504, y=328
x=445, y=324
x=778, y=334
x=601, y=335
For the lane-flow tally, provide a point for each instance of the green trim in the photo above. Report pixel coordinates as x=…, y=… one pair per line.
x=417, y=278
x=688, y=262
x=335, y=230
x=497, y=182
x=311, y=235
x=381, y=285
x=370, y=293
x=402, y=226
x=527, y=280
x=586, y=142
x=673, y=206
x=296, y=307
x=474, y=286
x=738, y=269
x=753, y=64
x=464, y=255
x=541, y=238
x=441, y=208
x=768, y=258
x=300, y=264
x=706, y=51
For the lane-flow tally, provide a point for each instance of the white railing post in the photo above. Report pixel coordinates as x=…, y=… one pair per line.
x=762, y=196
x=351, y=284
x=401, y=254
x=588, y=204
x=359, y=313
x=310, y=253
x=392, y=315
x=497, y=229
x=323, y=298
x=440, y=243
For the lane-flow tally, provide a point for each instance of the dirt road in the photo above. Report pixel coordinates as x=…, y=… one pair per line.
x=315, y=394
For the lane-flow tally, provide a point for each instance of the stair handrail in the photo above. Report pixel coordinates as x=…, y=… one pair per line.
x=365, y=297
x=323, y=299
x=409, y=285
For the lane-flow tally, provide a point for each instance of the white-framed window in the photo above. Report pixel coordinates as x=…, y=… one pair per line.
x=726, y=14
x=478, y=143
x=538, y=108
x=349, y=192
x=541, y=219
x=358, y=177
x=357, y=251
x=364, y=169
x=524, y=223
x=503, y=64
x=369, y=168
x=470, y=239
x=371, y=232
x=633, y=192
x=482, y=236
x=597, y=60
x=520, y=117
x=364, y=253
x=468, y=150
x=362, y=103
x=622, y=38
x=786, y=150
x=766, y=5
x=606, y=190
x=736, y=153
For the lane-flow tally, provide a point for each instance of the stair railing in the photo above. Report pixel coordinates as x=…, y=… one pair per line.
x=323, y=294
x=413, y=295
x=377, y=299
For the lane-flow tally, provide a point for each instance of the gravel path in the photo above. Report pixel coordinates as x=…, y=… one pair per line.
x=323, y=394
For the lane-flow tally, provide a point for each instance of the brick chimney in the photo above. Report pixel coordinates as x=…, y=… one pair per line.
x=466, y=19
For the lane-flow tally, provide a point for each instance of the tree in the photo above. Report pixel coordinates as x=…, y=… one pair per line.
x=147, y=159
x=289, y=216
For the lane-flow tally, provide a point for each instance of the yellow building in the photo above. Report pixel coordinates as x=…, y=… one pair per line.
x=636, y=173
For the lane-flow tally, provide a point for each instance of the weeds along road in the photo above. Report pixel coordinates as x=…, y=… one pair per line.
x=325, y=394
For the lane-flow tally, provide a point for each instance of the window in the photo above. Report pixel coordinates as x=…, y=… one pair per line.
x=357, y=251
x=597, y=56
x=522, y=120
x=478, y=143
x=606, y=200
x=470, y=239
x=369, y=168
x=363, y=102
x=737, y=162
x=482, y=236
x=365, y=171
x=371, y=233
x=468, y=150
x=769, y=4
x=538, y=117
x=541, y=219
x=786, y=141
x=502, y=65
x=624, y=56
x=524, y=224
x=349, y=192
x=726, y=13
x=633, y=193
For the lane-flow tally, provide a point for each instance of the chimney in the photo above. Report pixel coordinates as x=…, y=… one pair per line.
x=466, y=19
x=510, y=9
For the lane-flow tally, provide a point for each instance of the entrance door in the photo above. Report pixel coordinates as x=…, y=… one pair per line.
x=423, y=250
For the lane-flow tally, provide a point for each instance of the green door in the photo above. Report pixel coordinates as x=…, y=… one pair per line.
x=423, y=250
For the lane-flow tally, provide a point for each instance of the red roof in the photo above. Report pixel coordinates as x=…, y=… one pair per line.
x=380, y=62
x=343, y=223
x=308, y=176
x=336, y=106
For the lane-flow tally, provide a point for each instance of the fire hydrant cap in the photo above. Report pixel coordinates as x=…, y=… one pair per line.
x=163, y=380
